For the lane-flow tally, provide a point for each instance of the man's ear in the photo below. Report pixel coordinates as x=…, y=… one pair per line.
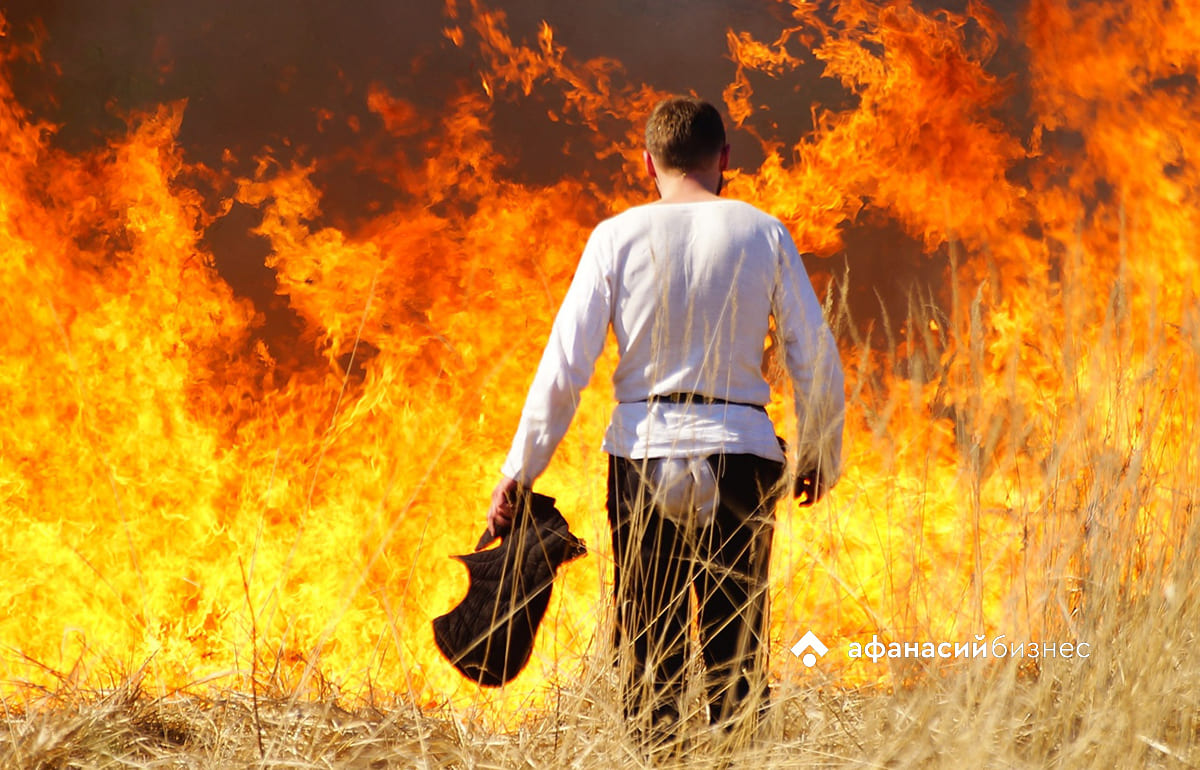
x=649, y=161
x=724, y=157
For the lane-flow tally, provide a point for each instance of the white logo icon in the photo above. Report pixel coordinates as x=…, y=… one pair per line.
x=809, y=640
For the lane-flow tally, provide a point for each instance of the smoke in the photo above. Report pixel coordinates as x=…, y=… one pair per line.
x=291, y=78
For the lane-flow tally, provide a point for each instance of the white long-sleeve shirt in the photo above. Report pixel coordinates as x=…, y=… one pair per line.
x=688, y=290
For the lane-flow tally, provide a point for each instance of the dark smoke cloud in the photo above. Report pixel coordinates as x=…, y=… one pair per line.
x=257, y=71
x=257, y=74
x=254, y=72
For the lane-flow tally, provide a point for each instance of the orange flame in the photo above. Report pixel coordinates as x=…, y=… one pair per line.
x=186, y=490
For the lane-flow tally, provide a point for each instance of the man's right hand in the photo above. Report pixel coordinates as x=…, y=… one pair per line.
x=501, y=512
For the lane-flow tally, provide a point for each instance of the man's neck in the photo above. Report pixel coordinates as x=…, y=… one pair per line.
x=687, y=188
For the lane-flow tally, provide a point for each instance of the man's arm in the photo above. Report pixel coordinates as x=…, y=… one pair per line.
x=576, y=340
x=818, y=382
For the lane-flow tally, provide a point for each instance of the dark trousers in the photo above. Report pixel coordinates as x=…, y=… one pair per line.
x=659, y=563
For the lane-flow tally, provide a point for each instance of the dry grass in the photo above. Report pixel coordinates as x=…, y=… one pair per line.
x=1113, y=710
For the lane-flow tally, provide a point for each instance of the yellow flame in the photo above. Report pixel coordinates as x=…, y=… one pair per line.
x=183, y=490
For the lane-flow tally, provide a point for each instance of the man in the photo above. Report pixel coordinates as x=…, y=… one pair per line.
x=689, y=285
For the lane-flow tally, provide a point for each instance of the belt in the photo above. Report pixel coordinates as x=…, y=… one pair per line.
x=694, y=398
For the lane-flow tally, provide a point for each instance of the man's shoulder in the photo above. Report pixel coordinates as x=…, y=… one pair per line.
x=751, y=211
x=725, y=207
x=624, y=223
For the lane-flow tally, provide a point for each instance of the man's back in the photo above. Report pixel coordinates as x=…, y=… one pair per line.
x=694, y=284
x=688, y=290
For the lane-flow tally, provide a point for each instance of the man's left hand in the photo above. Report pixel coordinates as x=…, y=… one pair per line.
x=809, y=488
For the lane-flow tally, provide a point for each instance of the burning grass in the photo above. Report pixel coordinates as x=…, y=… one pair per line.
x=266, y=522
x=1124, y=582
x=1132, y=703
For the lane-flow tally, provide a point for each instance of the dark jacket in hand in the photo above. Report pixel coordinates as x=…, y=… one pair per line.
x=489, y=635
